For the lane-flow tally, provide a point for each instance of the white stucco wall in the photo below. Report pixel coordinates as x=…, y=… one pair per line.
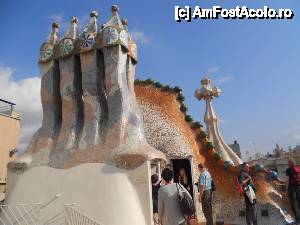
x=105, y=193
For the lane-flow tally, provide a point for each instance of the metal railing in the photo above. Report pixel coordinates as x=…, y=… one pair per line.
x=6, y=107
x=30, y=214
x=75, y=217
x=20, y=214
x=24, y=214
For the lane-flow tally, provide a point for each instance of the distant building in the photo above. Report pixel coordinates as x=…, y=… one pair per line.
x=297, y=149
x=9, y=136
x=236, y=148
x=278, y=160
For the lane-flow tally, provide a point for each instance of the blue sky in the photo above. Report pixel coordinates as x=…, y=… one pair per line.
x=254, y=62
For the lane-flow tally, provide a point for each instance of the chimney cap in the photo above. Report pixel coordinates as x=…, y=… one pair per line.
x=74, y=19
x=124, y=22
x=94, y=14
x=115, y=8
x=55, y=25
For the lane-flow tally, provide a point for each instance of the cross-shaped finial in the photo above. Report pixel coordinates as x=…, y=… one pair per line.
x=207, y=91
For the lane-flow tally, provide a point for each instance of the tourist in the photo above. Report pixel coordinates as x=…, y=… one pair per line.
x=155, y=187
x=168, y=201
x=247, y=184
x=169, y=165
x=293, y=187
x=205, y=194
x=184, y=181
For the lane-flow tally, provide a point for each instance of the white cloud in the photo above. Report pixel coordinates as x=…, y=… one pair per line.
x=139, y=37
x=296, y=137
x=213, y=69
x=26, y=94
x=221, y=80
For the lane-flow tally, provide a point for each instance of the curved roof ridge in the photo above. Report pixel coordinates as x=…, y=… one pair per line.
x=197, y=127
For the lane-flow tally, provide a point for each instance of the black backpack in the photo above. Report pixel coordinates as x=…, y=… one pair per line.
x=186, y=203
x=213, y=186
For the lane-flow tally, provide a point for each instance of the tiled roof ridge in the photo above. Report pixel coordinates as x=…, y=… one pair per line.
x=197, y=127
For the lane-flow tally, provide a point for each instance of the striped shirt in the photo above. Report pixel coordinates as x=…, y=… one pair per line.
x=205, y=180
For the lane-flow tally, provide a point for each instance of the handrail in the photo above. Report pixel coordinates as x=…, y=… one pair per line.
x=10, y=103
x=6, y=107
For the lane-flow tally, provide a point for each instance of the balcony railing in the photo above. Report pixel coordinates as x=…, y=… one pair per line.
x=6, y=107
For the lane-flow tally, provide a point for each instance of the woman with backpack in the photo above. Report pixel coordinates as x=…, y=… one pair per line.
x=169, y=200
